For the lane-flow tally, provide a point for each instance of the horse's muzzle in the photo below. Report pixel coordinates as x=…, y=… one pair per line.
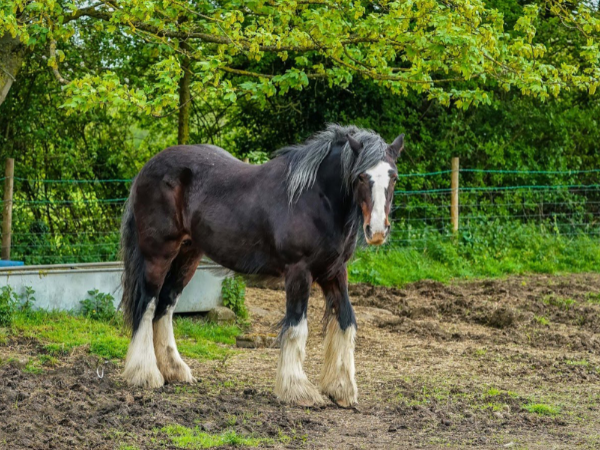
x=377, y=238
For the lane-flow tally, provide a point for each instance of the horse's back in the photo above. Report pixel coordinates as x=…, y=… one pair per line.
x=190, y=157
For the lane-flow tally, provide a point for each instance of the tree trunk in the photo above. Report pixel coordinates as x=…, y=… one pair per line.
x=12, y=54
x=183, y=135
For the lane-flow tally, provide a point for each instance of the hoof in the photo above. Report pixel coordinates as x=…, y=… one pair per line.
x=179, y=371
x=144, y=377
x=345, y=395
x=342, y=403
x=301, y=393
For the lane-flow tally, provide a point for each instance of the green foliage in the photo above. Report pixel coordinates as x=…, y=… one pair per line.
x=194, y=438
x=8, y=305
x=329, y=61
x=99, y=306
x=256, y=50
x=11, y=303
x=27, y=299
x=233, y=293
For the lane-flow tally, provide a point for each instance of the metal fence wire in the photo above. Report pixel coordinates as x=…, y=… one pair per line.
x=76, y=221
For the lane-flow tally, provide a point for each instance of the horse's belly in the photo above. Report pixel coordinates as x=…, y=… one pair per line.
x=247, y=262
x=241, y=252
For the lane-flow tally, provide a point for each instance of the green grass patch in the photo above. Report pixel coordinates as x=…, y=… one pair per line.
x=200, y=339
x=542, y=320
x=559, y=302
x=542, y=409
x=61, y=332
x=493, y=392
x=593, y=297
x=582, y=362
x=493, y=250
x=194, y=438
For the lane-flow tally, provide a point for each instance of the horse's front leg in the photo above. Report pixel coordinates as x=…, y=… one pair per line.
x=291, y=383
x=337, y=376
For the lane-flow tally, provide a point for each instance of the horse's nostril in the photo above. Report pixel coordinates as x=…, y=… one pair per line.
x=368, y=231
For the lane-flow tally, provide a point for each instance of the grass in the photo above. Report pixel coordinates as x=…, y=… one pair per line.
x=542, y=320
x=582, y=362
x=200, y=340
x=493, y=392
x=492, y=251
x=593, y=297
x=542, y=409
x=559, y=302
x=194, y=438
x=59, y=333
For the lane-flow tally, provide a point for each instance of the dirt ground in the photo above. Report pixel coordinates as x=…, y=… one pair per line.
x=460, y=365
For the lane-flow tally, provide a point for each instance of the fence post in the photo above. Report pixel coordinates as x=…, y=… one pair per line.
x=454, y=196
x=9, y=175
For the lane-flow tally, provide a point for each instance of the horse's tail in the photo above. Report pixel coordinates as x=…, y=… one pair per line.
x=133, y=271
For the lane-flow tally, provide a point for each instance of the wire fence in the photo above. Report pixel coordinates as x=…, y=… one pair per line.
x=73, y=221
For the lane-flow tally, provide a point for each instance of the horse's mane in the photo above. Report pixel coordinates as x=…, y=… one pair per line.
x=305, y=159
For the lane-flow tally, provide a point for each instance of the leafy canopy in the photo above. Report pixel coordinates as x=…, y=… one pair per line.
x=453, y=50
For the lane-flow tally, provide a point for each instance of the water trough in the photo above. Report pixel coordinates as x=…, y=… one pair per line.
x=63, y=286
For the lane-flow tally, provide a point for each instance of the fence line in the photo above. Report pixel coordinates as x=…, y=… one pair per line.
x=78, y=220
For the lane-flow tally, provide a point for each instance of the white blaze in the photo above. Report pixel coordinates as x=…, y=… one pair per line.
x=380, y=176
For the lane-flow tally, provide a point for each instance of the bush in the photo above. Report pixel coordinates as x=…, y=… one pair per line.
x=27, y=299
x=233, y=293
x=8, y=305
x=99, y=307
x=11, y=303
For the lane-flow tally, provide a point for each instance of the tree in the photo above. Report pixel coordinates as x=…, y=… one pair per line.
x=203, y=49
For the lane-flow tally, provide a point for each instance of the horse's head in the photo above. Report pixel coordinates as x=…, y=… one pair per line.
x=374, y=191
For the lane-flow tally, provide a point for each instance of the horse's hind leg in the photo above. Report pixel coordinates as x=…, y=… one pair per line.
x=337, y=376
x=169, y=362
x=140, y=364
x=291, y=384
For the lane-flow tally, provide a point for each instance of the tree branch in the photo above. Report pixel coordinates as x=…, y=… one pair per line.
x=313, y=76
x=55, y=71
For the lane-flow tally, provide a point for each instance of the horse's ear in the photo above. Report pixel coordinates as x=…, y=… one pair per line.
x=397, y=146
x=354, y=145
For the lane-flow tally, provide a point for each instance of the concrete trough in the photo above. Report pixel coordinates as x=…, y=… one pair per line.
x=63, y=286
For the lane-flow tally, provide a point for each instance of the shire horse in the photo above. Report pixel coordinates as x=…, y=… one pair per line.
x=297, y=216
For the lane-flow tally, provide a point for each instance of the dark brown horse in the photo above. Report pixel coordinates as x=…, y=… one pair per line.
x=296, y=216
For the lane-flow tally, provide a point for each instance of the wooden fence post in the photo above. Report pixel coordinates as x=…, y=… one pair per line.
x=9, y=175
x=454, y=196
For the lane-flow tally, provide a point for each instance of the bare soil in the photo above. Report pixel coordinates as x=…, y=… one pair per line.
x=438, y=365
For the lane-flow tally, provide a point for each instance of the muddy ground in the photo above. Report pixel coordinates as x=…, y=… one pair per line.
x=438, y=366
